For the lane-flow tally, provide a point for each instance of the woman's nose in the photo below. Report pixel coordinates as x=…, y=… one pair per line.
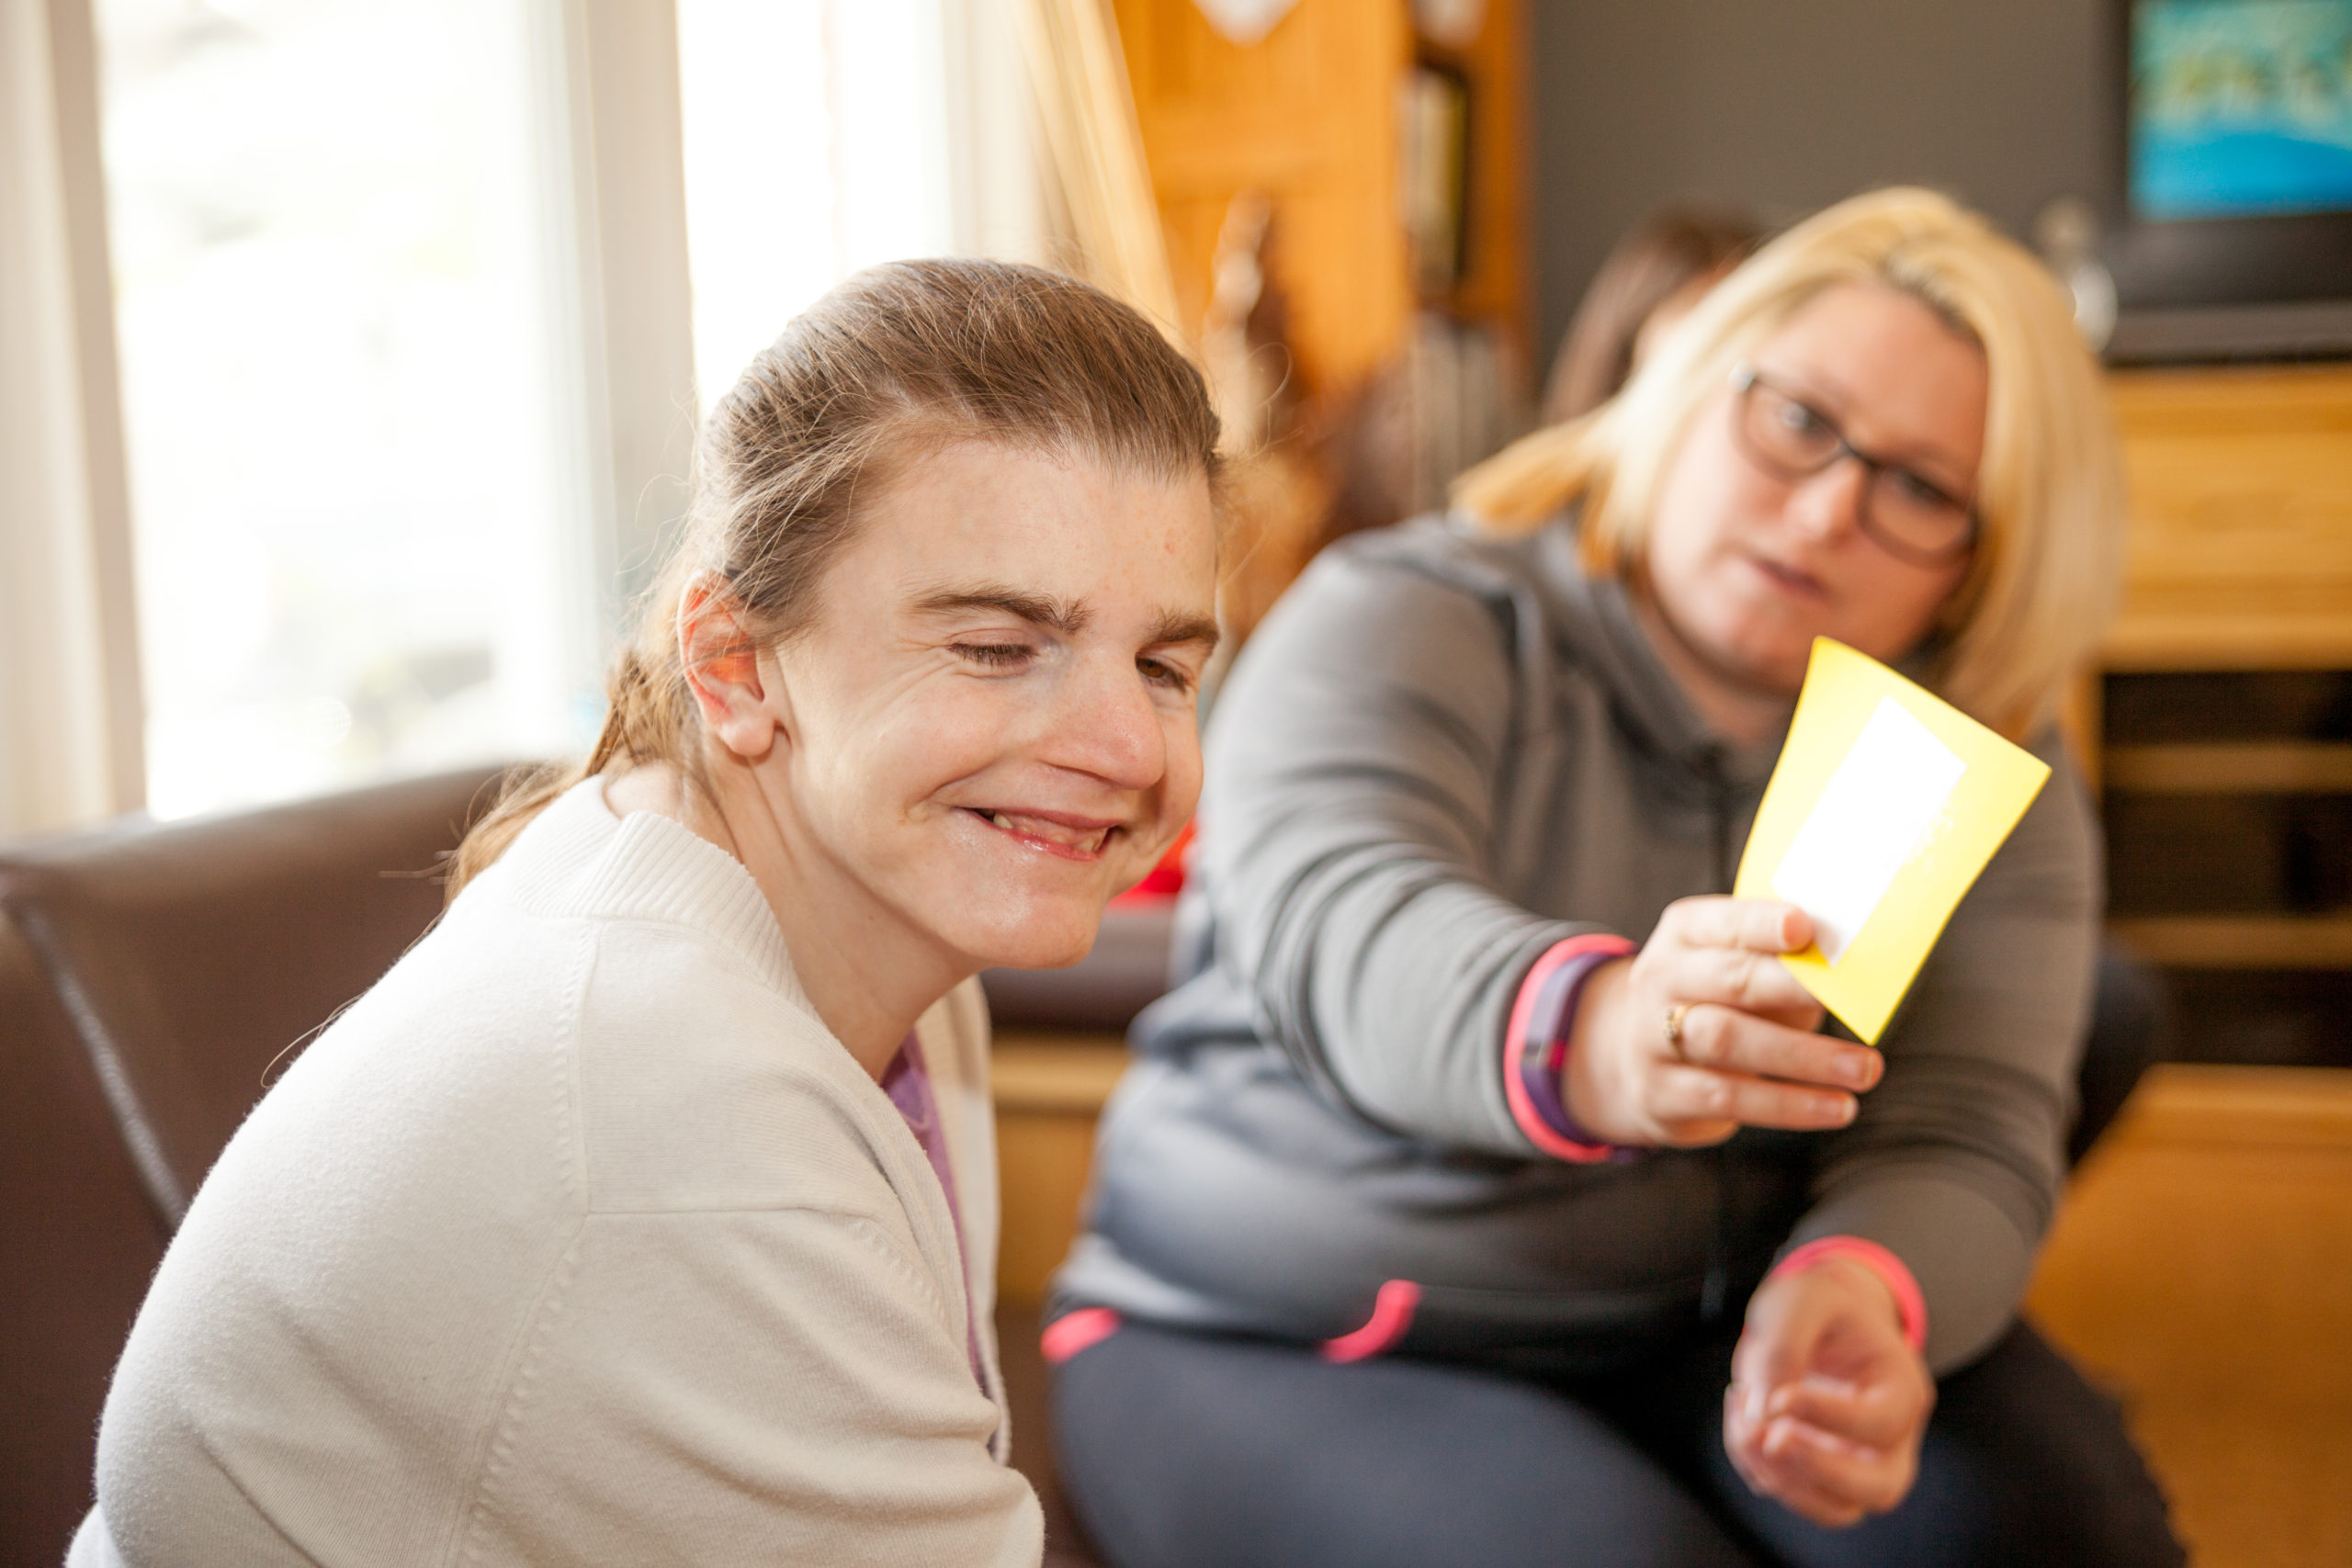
x=1829, y=504
x=1112, y=728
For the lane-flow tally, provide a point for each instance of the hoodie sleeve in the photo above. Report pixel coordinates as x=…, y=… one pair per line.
x=1955, y=1161
x=1354, y=756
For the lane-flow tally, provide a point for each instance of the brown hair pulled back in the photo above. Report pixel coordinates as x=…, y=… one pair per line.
x=898, y=360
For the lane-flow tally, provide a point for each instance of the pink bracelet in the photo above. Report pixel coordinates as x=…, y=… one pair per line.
x=1515, y=1042
x=1910, y=1305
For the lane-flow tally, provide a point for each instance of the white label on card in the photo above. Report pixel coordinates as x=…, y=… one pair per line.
x=1871, y=815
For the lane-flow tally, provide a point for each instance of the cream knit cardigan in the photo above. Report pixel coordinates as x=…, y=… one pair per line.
x=579, y=1239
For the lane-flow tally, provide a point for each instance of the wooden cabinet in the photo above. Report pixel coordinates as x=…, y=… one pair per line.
x=2226, y=760
x=2241, y=546
x=2200, y=1265
x=1305, y=116
x=1049, y=1087
x=1308, y=117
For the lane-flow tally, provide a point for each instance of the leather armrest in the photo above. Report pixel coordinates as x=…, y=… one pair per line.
x=193, y=959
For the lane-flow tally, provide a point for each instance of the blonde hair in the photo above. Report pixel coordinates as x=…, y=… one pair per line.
x=2046, y=571
x=894, y=361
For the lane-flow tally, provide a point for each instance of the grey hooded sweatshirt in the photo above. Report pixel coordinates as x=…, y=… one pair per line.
x=1441, y=754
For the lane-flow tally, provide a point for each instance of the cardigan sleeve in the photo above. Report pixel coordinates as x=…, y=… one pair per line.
x=726, y=1387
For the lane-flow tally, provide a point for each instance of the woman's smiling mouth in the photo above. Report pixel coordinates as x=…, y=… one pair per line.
x=1051, y=832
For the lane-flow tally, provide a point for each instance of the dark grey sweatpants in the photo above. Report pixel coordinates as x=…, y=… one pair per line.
x=1185, y=1450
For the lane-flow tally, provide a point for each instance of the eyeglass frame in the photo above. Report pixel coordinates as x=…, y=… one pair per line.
x=1745, y=378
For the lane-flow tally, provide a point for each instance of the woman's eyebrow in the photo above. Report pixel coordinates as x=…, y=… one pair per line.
x=1175, y=627
x=1065, y=615
x=1826, y=396
x=1823, y=394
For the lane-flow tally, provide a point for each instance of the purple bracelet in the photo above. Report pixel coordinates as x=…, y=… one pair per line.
x=1544, y=1050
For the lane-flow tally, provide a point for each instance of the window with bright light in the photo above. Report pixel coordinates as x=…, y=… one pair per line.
x=349, y=296
x=330, y=253
x=816, y=144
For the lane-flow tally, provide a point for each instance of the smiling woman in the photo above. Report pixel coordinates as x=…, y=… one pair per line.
x=647, y=1208
x=982, y=731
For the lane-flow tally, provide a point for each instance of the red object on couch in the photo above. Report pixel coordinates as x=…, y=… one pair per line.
x=1166, y=879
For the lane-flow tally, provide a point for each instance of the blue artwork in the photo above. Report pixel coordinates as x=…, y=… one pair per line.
x=2241, y=107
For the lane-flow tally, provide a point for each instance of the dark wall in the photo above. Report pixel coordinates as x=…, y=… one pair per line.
x=1780, y=107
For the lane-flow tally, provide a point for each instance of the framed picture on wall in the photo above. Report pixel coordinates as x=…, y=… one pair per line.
x=1433, y=168
x=2231, y=177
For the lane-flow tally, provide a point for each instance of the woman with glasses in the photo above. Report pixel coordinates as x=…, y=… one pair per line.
x=1490, y=1194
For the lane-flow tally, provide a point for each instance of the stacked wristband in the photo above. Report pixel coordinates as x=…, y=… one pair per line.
x=1537, y=1054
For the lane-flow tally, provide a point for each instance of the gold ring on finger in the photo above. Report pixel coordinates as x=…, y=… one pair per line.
x=1674, y=1025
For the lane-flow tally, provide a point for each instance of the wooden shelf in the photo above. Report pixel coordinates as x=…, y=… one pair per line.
x=2240, y=941
x=1308, y=117
x=1049, y=1087
x=2240, y=553
x=2170, y=627
x=2256, y=768
x=1038, y=1073
x=1493, y=286
x=2269, y=1107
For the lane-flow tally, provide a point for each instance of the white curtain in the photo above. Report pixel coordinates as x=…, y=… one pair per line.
x=823, y=136
x=69, y=659
x=1087, y=108
x=624, y=317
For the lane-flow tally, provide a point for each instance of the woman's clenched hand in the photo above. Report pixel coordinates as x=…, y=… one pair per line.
x=1827, y=1400
x=1703, y=1031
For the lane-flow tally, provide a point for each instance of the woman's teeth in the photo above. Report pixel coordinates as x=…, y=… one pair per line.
x=1084, y=840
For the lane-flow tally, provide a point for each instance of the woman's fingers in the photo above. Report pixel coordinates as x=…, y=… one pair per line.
x=1732, y=1040
x=1760, y=925
x=1800, y=1497
x=1858, y=1476
x=1880, y=1412
x=1703, y=1095
x=1776, y=1475
x=1828, y=1406
x=1707, y=1032
x=1736, y=977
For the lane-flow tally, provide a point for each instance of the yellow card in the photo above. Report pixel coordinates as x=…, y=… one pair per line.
x=1885, y=805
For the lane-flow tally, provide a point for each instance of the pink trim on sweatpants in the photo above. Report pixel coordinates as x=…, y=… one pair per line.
x=1910, y=1304
x=1523, y=1109
x=1076, y=1331
x=1391, y=1314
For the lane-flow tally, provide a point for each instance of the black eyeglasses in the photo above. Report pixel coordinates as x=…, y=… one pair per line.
x=1911, y=517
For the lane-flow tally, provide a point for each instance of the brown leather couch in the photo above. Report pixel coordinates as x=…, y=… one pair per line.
x=152, y=981
x=152, y=978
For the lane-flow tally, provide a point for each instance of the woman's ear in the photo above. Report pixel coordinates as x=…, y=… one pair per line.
x=722, y=664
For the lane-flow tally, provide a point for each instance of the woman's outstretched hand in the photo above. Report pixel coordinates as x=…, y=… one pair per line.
x=1747, y=1053
x=1827, y=1401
